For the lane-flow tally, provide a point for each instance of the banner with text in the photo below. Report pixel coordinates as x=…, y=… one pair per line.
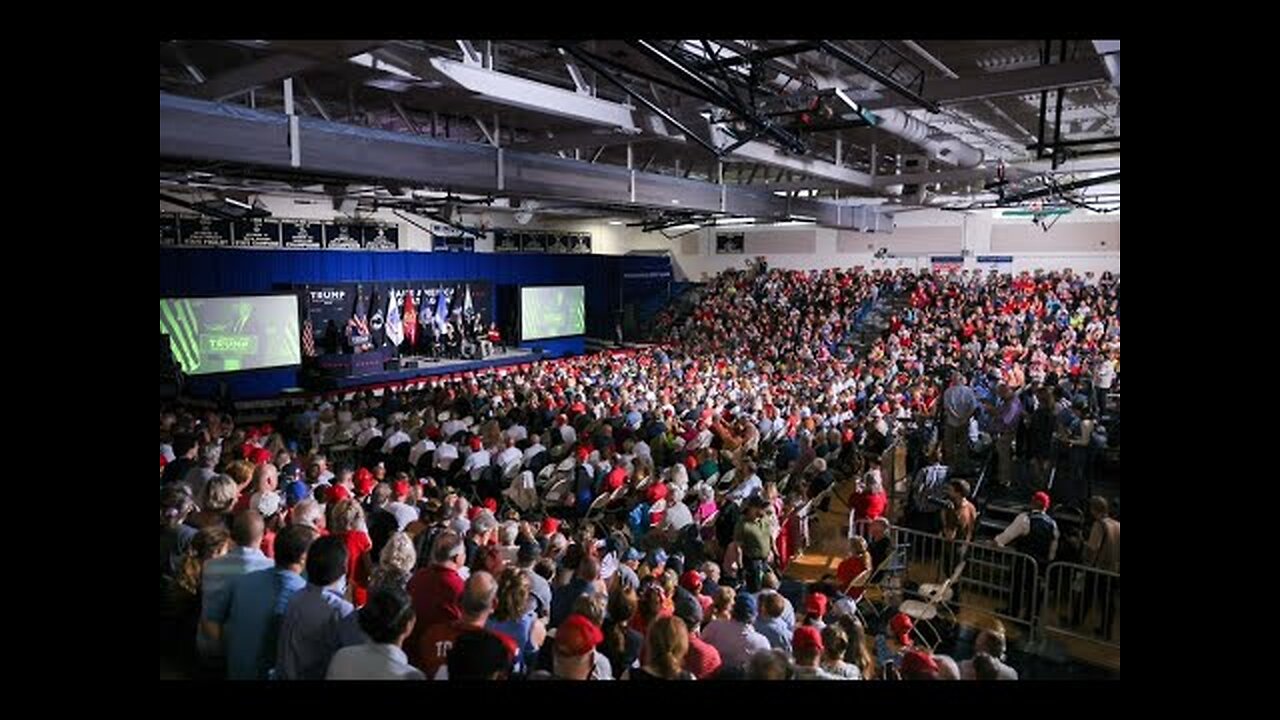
x=276, y=233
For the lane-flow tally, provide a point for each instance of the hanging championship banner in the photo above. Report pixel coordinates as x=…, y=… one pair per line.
x=203, y=231
x=303, y=234
x=343, y=236
x=168, y=229
x=257, y=233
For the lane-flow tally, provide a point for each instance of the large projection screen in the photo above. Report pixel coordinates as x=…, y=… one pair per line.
x=225, y=334
x=554, y=311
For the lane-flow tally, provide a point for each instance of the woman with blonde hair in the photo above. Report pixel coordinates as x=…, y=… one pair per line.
x=346, y=521
x=515, y=618
x=220, y=494
x=834, y=645
x=666, y=645
x=242, y=472
x=722, y=604
x=395, y=563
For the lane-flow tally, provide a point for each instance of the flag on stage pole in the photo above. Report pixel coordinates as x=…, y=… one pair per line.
x=394, y=326
x=410, y=319
x=308, y=339
x=442, y=309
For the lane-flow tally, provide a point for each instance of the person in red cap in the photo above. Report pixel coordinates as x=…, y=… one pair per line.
x=550, y=526
x=574, y=654
x=336, y=494
x=815, y=609
x=616, y=478
x=900, y=627
x=919, y=665
x=1031, y=533
x=364, y=483
x=691, y=581
x=806, y=648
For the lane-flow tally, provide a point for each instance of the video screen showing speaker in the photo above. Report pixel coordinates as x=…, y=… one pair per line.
x=223, y=334
x=550, y=312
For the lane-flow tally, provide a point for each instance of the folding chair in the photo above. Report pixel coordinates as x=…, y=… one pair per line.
x=885, y=581
x=933, y=603
x=523, y=493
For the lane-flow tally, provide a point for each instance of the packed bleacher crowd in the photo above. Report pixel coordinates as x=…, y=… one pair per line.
x=623, y=515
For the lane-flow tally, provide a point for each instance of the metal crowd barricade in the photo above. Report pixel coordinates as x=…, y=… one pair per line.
x=1078, y=601
x=995, y=580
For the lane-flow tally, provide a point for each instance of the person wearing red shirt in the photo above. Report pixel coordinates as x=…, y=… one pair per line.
x=869, y=500
x=855, y=570
x=478, y=600
x=347, y=521
x=437, y=590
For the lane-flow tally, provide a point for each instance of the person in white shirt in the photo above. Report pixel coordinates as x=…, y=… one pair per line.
x=420, y=448
x=509, y=455
x=677, y=517
x=325, y=475
x=1104, y=375
x=517, y=432
x=387, y=618
x=446, y=453
x=370, y=432
x=397, y=437
x=404, y=505
x=568, y=434
x=534, y=448
x=452, y=427
x=993, y=644
x=748, y=487
x=478, y=460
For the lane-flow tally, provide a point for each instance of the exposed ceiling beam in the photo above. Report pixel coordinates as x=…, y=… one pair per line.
x=976, y=175
x=278, y=67
x=999, y=84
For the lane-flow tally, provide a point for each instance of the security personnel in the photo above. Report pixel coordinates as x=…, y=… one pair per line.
x=1032, y=533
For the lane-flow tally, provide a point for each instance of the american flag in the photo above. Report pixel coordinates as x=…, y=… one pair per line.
x=308, y=339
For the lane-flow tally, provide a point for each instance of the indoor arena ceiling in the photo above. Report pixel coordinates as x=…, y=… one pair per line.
x=947, y=123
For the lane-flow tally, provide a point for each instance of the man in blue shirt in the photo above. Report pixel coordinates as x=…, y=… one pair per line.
x=246, y=532
x=318, y=621
x=247, y=616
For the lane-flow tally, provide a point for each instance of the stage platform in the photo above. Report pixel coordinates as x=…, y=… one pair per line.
x=428, y=369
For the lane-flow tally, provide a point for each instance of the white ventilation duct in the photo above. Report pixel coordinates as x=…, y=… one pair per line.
x=938, y=145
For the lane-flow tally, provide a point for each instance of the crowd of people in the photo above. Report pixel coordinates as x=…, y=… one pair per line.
x=620, y=515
